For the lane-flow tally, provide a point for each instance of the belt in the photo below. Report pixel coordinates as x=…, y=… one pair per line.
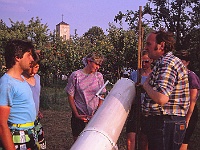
x=166, y=117
x=28, y=124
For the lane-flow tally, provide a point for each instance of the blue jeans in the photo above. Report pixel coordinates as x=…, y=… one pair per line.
x=164, y=132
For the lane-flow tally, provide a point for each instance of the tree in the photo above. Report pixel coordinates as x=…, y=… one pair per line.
x=177, y=16
x=124, y=52
x=181, y=17
x=174, y=15
x=38, y=32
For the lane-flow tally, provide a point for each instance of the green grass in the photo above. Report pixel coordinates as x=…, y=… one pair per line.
x=53, y=99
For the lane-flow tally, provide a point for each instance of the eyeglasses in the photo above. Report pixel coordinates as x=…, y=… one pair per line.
x=145, y=61
x=99, y=64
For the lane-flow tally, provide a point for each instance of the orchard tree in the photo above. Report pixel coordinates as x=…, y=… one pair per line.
x=38, y=33
x=94, y=34
x=123, y=53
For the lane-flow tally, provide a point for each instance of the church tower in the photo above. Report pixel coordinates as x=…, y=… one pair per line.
x=63, y=30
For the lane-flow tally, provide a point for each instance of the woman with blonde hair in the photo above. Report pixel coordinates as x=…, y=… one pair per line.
x=82, y=87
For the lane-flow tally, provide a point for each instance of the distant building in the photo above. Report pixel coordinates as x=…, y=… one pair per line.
x=63, y=30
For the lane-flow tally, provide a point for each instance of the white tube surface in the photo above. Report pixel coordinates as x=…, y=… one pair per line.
x=103, y=130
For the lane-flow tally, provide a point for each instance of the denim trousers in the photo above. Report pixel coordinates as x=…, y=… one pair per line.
x=164, y=132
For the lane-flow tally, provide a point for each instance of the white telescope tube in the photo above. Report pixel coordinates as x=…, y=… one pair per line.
x=103, y=130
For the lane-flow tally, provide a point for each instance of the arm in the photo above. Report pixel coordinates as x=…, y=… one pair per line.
x=102, y=90
x=100, y=101
x=193, y=98
x=40, y=115
x=158, y=97
x=74, y=109
x=5, y=135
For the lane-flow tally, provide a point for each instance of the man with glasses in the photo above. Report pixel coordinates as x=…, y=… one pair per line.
x=132, y=118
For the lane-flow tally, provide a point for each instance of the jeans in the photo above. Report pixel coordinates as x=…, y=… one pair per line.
x=164, y=132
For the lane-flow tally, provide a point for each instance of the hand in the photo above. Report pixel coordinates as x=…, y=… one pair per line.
x=187, y=122
x=40, y=115
x=84, y=118
x=89, y=117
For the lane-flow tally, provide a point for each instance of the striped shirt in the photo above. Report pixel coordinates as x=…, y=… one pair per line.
x=169, y=77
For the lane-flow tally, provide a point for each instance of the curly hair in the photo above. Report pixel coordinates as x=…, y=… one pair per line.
x=94, y=56
x=167, y=37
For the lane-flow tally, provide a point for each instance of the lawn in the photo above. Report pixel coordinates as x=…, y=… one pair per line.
x=56, y=122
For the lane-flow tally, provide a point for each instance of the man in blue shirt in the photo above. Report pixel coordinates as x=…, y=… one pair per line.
x=17, y=108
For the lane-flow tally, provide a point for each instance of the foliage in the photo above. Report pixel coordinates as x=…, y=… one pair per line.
x=119, y=46
x=178, y=16
x=123, y=52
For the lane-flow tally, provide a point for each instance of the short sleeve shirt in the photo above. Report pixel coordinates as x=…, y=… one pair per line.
x=169, y=77
x=194, y=81
x=133, y=77
x=83, y=87
x=18, y=96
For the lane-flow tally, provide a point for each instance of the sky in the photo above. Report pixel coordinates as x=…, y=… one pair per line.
x=79, y=14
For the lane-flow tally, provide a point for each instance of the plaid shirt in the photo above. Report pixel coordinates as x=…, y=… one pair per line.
x=169, y=77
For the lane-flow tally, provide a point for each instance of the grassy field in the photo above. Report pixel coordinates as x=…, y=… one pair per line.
x=56, y=122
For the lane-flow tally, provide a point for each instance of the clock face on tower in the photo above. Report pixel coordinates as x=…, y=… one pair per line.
x=65, y=29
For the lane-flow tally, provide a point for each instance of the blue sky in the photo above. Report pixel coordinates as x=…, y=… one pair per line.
x=79, y=14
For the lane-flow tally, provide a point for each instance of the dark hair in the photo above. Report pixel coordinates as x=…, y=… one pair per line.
x=16, y=48
x=183, y=55
x=168, y=38
x=144, y=52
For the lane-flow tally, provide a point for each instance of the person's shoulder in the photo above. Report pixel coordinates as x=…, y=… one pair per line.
x=75, y=74
x=134, y=72
x=194, y=80
x=172, y=61
x=168, y=58
x=4, y=78
x=6, y=81
x=37, y=76
x=99, y=74
x=193, y=75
